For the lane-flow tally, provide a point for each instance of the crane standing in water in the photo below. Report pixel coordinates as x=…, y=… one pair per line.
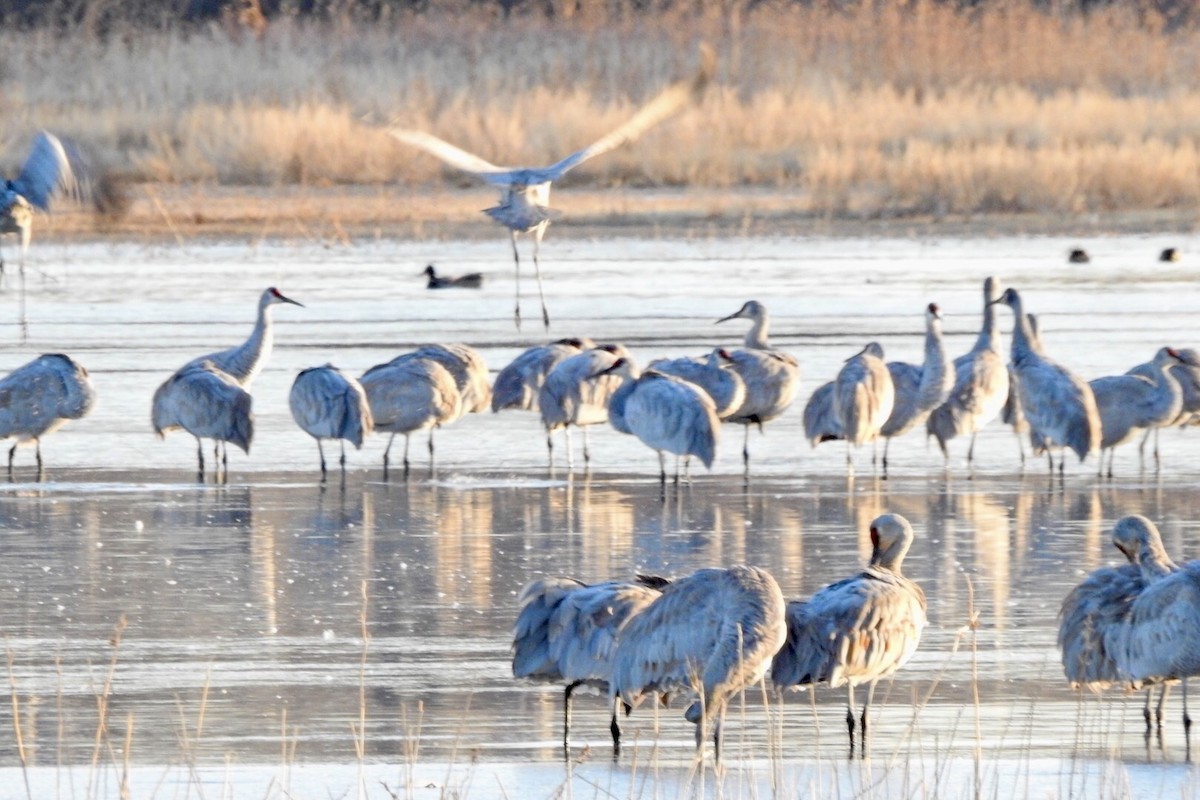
x=40, y=397
x=857, y=630
x=525, y=191
x=328, y=404
x=195, y=401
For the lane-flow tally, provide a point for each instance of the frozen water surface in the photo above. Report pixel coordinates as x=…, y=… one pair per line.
x=241, y=669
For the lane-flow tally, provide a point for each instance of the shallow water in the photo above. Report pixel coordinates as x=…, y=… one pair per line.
x=244, y=604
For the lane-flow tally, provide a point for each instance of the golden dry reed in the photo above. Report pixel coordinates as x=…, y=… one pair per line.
x=887, y=108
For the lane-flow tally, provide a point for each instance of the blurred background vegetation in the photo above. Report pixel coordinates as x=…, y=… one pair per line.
x=852, y=108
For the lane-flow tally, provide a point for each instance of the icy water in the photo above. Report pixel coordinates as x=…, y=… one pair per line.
x=220, y=627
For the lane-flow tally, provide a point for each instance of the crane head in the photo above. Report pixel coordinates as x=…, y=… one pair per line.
x=273, y=296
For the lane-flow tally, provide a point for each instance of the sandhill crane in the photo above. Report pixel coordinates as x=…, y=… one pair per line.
x=1012, y=414
x=1129, y=403
x=467, y=367
x=821, y=422
x=1093, y=612
x=567, y=631
x=713, y=374
x=472, y=280
x=1160, y=638
x=208, y=403
x=771, y=377
x=980, y=384
x=328, y=404
x=1187, y=374
x=40, y=397
x=712, y=633
x=863, y=397
x=518, y=384
x=576, y=393
x=1059, y=405
x=409, y=395
x=857, y=630
x=244, y=362
x=666, y=413
x=918, y=389
x=46, y=172
x=525, y=191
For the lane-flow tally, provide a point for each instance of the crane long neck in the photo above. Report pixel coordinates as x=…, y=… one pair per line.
x=248, y=360
x=933, y=372
x=756, y=337
x=1022, y=342
x=989, y=334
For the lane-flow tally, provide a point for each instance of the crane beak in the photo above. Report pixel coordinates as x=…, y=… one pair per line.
x=856, y=355
x=735, y=315
x=290, y=300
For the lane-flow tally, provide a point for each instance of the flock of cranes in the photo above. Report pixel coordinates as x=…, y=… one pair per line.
x=674, y=406
x=717, y=632
x=714, y=633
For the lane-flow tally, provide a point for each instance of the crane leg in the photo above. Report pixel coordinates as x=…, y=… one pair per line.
x=677, y=459
x=1146, y=713
x=971, y=449
x=1161, y=708
x=850, y=716
x=225, y=459
x=567, y=718
x=863, y=736
x=887, y=443
x=199, y=455
x=587, y=453
x=746, y=451
x=25, y=233
x=38, y=450
x=1157, y=462
x=718, y=724
x=386, y=450
x=406, y=456
x=614, y=728
x=550, y=450
x=431, y=462
x=12, y=453
x=517, y=261
x=321, y=452
x=570, y=455
x=1187, y=723
x=538, y=233
x=342, y=460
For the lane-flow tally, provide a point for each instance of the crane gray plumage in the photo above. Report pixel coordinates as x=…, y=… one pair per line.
x=1059, y=405
x=666, y=413
x=208, y=403
x=47, y=172
x=1159, y=640
x=518, y=384
x=713, y=374
x=1012, y=414
x=40, y=397
x=821, y=423
x=1187, y=374
x=409, y=395
x=771, y=377
x=857, y=630
x=1094, y=611
x=577, y=393
x=466, y=365
x=712, y=633
x=918, y=389
x=328, y=404
x=1130, y=403
x=980, y=383
x=863, y=397
x=244, y=362
x=566, y=631
x=525, y=191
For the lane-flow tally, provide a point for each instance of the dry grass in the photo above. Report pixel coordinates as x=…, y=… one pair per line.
x=881, y=111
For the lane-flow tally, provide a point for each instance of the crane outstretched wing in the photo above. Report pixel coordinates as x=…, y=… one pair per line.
x=46, y=170
x=668, y=103
x=454, y=156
